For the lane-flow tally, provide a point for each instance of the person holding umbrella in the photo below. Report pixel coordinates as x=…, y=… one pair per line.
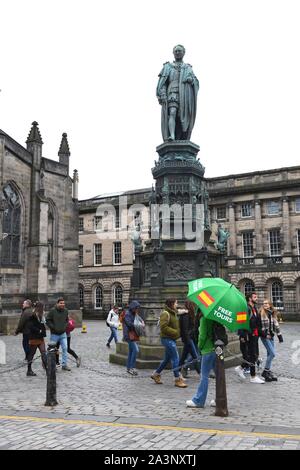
x=223, y=306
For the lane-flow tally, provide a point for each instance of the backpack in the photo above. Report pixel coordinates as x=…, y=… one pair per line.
x=219, y=333
x=70, y=326
x=107, y=324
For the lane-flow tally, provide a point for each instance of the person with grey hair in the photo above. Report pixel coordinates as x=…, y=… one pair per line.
x=23, y=326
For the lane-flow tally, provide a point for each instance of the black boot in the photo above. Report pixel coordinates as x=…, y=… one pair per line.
x=273, y=377
x=266, y=375
x=30, y=373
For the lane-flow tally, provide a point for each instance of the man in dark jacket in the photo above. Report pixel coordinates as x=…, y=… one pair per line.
x=249, y=341
x=23, y=325
x=57, y=321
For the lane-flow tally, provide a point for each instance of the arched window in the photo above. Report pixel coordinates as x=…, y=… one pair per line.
x=81, y=296
x=249, y=287
x=50, y=239
x=277, y=294
x=98, y=298
x=11, y=227
x=118, y=295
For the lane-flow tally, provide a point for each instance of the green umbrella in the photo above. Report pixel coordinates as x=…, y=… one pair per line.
x=221, y=302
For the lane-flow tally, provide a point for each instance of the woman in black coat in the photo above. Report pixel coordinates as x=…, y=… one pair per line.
x=187, y=331
x=37, y=333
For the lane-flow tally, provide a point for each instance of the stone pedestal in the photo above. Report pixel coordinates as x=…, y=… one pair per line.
x=167, y=263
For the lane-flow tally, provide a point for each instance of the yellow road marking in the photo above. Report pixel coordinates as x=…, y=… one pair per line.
x=150, y=426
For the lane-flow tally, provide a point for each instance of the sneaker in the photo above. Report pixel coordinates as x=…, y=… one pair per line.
x=30, y=373
x=256, y=380
x=240, y=372
x=108, y=345
x=66, y=368
x=246, y=370
x=192, y=404
x=135, y=372
x=78, y=361
x=156, y=378
x=130, y=371
x=213, y=403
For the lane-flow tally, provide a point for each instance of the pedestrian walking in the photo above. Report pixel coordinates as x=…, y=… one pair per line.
x=187, y=331
x=37, y=334
x=270, y=328
x=57, y=321
x=169, y=333
x=69, y=329
x=208, y=363
x=113, y=323
x=130, y=336
x=23, y=326
x=249, y=342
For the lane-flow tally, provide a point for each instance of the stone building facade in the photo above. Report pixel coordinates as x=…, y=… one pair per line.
x=38, y=229
x=261, y=210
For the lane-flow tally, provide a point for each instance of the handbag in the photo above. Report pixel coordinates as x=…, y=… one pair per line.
x=133, y=336
x=139, y=325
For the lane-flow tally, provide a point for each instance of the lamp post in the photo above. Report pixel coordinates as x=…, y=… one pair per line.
x=221, y=394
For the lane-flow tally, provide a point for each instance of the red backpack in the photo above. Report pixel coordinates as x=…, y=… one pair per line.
x=70, y=326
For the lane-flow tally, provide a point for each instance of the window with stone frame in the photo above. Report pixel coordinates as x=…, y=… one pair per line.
x=118, y=296
x=221, y=212
x=247, y=209
x=80, y=255
x=248, y=249
x=273, y=207
x=81, y=296
x=97, y=254
x=98, y=298
x=249, y=287
x=117, y=217
x=297, y=205
x=275, y=243
x=81, y=224
x=11, y=227
x=98, y=222
x=117, y=253
x=277, y=294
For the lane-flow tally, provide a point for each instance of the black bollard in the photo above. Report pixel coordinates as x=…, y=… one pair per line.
x=51, y=375
x=221, y=394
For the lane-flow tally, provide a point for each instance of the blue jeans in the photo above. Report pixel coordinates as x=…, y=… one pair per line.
x=270, y=347
x=62, y=340
x=190, y=350
x=114, y=335
x=208, y=363
x=133, y=350
x=171, y=354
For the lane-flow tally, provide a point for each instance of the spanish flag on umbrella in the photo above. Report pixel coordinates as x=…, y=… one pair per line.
x=220, y=301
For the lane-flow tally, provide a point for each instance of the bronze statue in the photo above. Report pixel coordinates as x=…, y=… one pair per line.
x=223, y=235
x=176, y=91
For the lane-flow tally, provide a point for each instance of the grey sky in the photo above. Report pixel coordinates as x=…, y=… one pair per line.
x=90, y=69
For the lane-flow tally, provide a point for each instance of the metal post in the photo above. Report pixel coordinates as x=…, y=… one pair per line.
x=221, y=394
x=51, y=375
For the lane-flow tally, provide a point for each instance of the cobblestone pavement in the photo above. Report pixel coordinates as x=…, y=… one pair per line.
x=104, y=392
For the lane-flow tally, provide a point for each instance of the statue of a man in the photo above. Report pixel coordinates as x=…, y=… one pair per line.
x=223, y=235
x=176, y=91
